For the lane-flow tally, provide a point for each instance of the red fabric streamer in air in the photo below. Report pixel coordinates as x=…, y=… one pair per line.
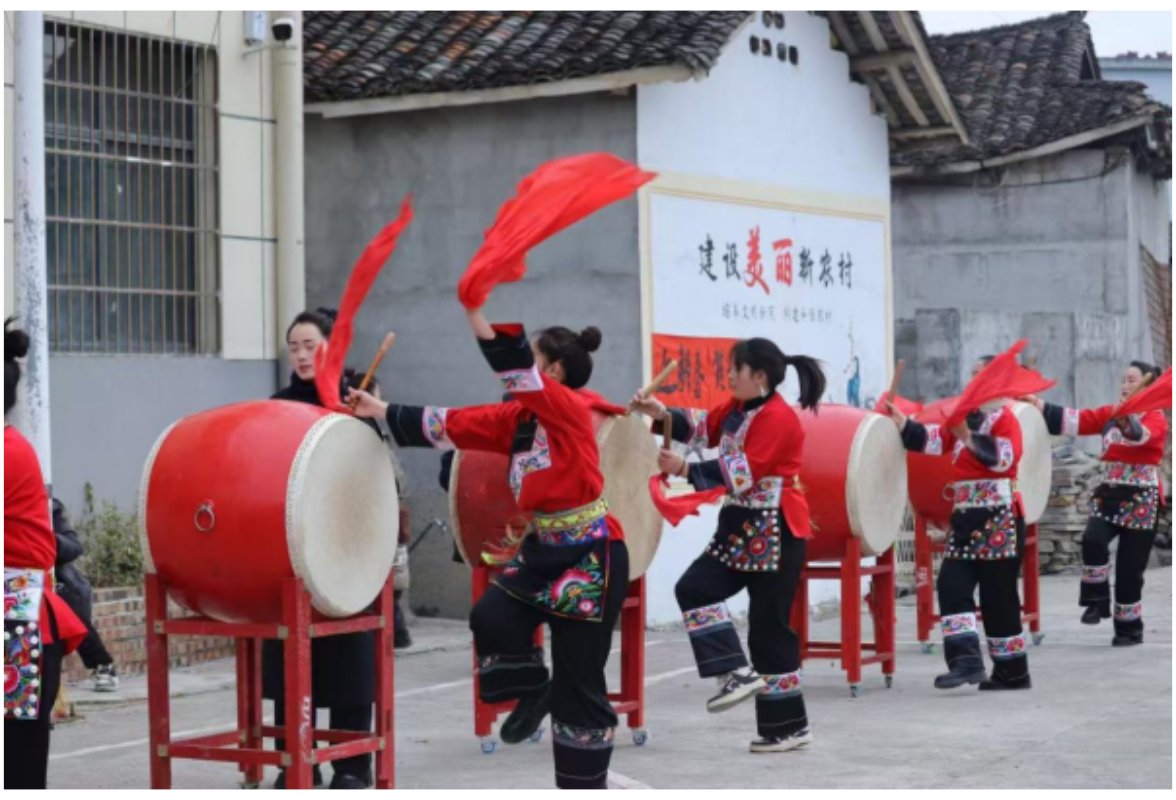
x=555, y=196
x=1003, y=377
x=328, y=361
x=1157, y=397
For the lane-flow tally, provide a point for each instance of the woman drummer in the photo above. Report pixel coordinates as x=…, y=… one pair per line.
x=985, y=545
x=1125, y=504
x=760, y=542
x=569, y=569
x=39, y=627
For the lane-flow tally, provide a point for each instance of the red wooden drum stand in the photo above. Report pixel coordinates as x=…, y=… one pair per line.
x=851, y=651
x=245, y=746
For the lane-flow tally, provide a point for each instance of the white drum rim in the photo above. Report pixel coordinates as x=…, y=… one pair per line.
x=144, y=485
x=454, y=517
x=299, y=561
x=854, y=504
x=1044, y=459
x=631, y=537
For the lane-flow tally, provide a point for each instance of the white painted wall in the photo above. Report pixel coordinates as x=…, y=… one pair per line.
x=801, y=132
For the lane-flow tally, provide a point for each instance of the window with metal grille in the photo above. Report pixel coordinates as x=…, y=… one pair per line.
x=131, y=196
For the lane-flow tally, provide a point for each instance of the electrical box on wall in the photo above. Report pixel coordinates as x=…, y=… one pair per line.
x=255, y=24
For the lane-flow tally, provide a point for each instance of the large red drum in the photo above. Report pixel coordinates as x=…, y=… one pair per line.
x=481, y=504
x=854, y=478
x=238, y=499
x=930, y=476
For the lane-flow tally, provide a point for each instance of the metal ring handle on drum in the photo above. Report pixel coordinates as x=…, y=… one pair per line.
x=948, y=493
x=206, y=510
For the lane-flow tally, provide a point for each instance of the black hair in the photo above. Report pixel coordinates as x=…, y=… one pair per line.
x=1144, y=368
x=764, y=355
x=321, y=318
x=16, y=345
x=572, y=350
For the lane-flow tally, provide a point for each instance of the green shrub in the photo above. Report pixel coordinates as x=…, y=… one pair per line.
x=113, y=554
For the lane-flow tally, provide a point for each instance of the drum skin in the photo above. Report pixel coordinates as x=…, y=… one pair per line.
x=237, y=499
x=481, y=504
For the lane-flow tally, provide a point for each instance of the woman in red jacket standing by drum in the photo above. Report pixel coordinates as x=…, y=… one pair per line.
x=570, y=569
x=39, y=628
x=1126, y=503
x=760, y=541
x=985, y=544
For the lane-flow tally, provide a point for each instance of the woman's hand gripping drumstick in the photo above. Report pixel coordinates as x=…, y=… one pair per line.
x=359, y=401
x=645, y=402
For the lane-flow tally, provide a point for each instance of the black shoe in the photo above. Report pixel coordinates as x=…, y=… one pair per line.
x=998, y=684
x=524, y=720
x=1094, y=615
x=737, y=687
x=954, y=680
x=782, y=744
x=317, y=780
x=345, y=780
x=1127, y=639
x=401, y=639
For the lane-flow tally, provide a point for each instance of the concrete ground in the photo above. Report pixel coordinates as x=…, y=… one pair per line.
x=1096, y=717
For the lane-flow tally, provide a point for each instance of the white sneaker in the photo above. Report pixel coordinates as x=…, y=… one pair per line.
x=771, y=744
x=737, y=687
x=106, y=678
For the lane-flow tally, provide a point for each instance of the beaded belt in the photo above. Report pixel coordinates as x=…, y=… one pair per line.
x=982, y=494
x=578, y=526
x=764, y=495
x=1131, y=474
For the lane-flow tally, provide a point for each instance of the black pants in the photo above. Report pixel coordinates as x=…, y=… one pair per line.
x=510, y=666
x=344, y=718
x=1135, y=548
x=702, y=593
x=92, y=651
x=398, y=622
x=1000, y=603
x=26, y=742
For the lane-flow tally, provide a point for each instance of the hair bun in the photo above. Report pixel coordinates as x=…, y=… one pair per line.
x=330, y=313
x=16, y=342
x=590, y=338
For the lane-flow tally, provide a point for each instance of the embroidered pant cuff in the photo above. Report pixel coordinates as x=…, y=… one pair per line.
x=1010, y=659
x=962, y=652
x=1129, y=618
x=1095, y=594
x=582, y=755
x=780, y=715
x=508, y=677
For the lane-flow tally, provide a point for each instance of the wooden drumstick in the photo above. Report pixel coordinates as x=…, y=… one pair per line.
x=668, y=432
x=660, y=380
x=389, y=340
x=895, y=380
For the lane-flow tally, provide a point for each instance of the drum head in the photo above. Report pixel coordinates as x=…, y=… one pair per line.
x=628, y=456
x=1035, y=470
x=342, y=515
x=876, y=484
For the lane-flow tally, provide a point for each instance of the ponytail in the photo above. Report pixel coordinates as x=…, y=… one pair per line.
x=812, y=380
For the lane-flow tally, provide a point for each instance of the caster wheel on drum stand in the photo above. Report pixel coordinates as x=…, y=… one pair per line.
x=855, y=689
x=927, y=648
x=489, y=746
x=1038, y=638
x=537, y=736
x=640, y=737
x=889, y=681
x=249, y=784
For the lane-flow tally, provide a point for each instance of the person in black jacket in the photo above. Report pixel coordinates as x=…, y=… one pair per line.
x=75, y=589
x=343, y=668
